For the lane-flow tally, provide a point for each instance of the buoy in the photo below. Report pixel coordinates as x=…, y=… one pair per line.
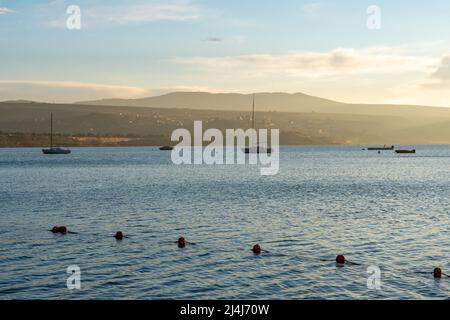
x=340, y=259
x=59, y=229
x=437, y=272
x=181, y=242
x=118, y=235
x=256, y=249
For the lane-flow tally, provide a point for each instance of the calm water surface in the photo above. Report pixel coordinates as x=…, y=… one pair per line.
x=378, y=209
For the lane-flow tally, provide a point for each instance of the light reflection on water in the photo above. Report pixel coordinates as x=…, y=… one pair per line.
x=378, y=209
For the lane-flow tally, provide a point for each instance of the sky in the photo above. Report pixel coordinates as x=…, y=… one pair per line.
x=133, y=49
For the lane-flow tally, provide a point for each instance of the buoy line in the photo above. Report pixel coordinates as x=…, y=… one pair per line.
x=257, y=249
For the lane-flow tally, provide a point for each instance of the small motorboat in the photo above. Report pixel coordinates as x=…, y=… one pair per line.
x=166, y=148
x=56, y=151
x=405, y=151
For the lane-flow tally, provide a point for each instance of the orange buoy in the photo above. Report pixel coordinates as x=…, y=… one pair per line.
x=181, y=242
x=437, y=273
x=118, y=235
x=256, y=249
x=340, y=259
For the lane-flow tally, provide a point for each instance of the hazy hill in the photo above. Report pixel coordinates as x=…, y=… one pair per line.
x=298, y=102
x=280, y=102
x=315, y=120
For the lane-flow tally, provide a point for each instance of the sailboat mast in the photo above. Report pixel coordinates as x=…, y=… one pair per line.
x=51, y=130
x=253, y=112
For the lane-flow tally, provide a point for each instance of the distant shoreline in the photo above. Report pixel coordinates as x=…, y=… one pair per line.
x=31, y=140
x=38, y=140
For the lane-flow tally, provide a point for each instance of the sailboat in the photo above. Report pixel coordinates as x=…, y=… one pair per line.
x=257, y=148
x=54, y=150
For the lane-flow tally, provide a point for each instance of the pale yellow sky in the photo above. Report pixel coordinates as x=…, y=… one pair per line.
x=144, y=48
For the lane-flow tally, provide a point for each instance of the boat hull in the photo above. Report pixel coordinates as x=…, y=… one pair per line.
x=380, y=148
x=56, y=151
x=405, y=151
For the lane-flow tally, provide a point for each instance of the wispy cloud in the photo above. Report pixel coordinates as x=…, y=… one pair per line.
x=65, y=91
x=440, y=78
x=181, y=88
x=172, y=11
x=214, y=39
x=312, y=7
x=337, y=62
x=226, y=40
x=4, y=10
x=133, y=13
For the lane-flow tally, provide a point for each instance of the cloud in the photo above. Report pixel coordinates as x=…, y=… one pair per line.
x=213, y=39
x=337, y=62
x=440, y=78
x=181, y=88
x=135, y=13
x=227, y=40
x=4, y=10
x=312, y=7
x=65, y=91
x=149, y=12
